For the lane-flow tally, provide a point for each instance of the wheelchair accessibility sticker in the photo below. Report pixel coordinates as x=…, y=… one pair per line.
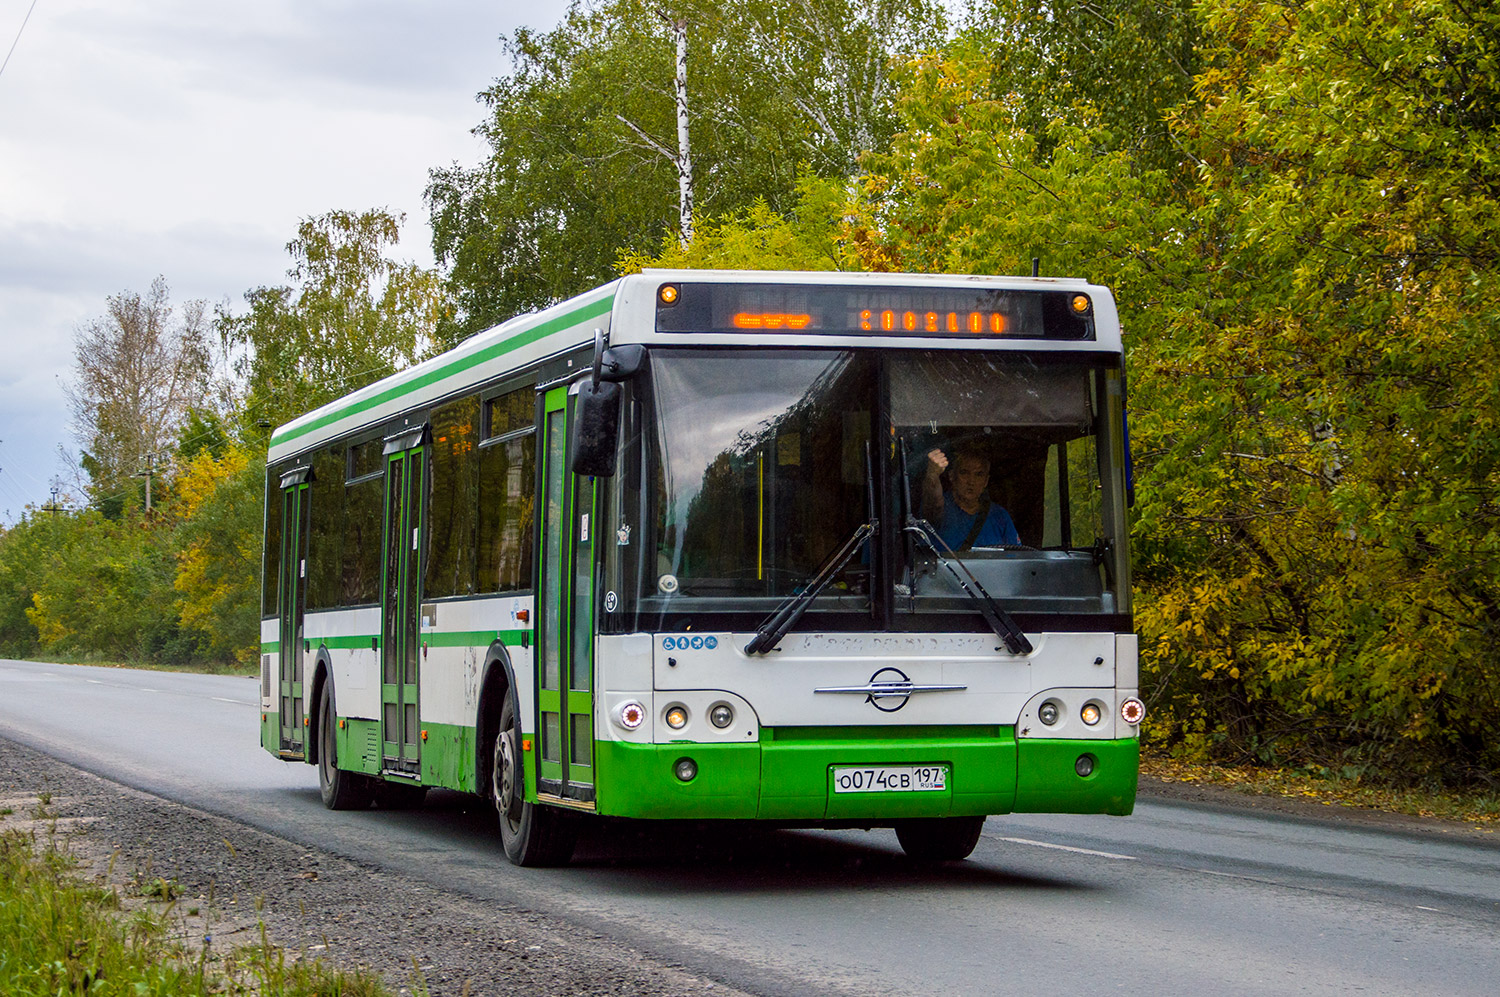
x=698, y=642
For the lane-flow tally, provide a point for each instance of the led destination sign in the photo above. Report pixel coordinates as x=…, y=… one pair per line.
x=952, y=312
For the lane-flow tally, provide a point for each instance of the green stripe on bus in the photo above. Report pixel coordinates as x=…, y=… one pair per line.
x=457, y=638
x=473, y=638
x=270, y=646
x=524, y=338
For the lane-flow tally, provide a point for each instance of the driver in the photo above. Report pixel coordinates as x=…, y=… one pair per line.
x=964, y=516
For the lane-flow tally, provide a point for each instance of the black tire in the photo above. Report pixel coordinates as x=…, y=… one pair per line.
x=341, y=790
x=532, y=834
x=391, y=795
x=939, y=839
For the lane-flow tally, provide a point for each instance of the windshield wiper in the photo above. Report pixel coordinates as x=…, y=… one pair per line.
x=789, y=612
x=999, y=620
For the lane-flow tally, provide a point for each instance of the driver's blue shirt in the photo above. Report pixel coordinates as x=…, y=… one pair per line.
x=998, y=529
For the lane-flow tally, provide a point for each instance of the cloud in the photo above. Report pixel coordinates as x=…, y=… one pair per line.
x=178, y=138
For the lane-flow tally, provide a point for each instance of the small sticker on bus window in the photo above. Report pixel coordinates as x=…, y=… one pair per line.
x=583, y=528
x=610, y=602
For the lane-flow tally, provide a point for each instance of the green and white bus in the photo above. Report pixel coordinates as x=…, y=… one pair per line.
x=814, y=549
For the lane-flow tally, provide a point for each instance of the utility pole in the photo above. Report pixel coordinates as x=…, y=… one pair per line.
x=146, y=473
x=52, y=506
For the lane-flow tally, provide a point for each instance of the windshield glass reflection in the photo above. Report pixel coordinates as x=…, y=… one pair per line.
x=1003, y=459
x=760, y=470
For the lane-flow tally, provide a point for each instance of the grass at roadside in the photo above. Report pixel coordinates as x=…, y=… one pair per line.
x=60, y=934
x=251, y=670
x=1479, y=809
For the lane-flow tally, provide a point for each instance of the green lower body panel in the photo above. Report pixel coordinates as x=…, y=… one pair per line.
x=979, y=778
x=359, y=746
x=794, y=780
x=448, y=755
x=638, y=780
x=1048, y=780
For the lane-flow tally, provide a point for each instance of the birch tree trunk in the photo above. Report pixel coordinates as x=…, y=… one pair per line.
x=684, y=149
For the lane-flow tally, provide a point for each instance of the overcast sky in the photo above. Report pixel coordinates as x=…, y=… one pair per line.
x=186, y=139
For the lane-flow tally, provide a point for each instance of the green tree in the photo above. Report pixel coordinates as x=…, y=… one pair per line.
x=218, y=546
x=1115, y=67
x=1327, y=580
x=103, y=588
x=584, y=157
x=352, y=317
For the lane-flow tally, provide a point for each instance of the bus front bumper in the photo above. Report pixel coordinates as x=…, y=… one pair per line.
x=793, y=780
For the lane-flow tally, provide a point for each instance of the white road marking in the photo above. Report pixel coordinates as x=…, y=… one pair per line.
x=237, y=702
x=1070, y=848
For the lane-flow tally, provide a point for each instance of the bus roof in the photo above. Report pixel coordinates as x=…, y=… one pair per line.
x=624, y=310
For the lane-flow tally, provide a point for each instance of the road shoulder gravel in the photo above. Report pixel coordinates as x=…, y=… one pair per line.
x=317, y=905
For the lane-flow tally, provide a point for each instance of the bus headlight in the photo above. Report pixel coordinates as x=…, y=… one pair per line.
x=686, y=769
x=1048, y=713
x=630, y=715
x=721, y=716
x=1091, y=714
x=676, y=717
x=1132, y=711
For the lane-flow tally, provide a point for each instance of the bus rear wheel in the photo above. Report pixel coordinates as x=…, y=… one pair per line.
x=939, y=839
x=533, y=834
x=341, y=790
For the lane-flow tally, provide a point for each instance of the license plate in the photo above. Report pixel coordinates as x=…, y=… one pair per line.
x=890, y=779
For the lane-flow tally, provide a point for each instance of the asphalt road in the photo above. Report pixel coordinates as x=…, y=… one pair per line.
x=1175, y=899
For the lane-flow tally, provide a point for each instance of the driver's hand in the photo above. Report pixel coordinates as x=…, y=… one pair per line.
x=937, y=461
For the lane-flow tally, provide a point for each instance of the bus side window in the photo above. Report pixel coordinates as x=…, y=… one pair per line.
x=507, y=500
x=454, y=503
x=324, y=555
x=271, y=565
x=363, y=504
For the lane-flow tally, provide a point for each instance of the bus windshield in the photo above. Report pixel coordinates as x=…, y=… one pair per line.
x=759, y=472
x=1009, y=464
x=755, y=466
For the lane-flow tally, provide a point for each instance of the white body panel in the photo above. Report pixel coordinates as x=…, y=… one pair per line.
x=356, y=670
x=781, y=688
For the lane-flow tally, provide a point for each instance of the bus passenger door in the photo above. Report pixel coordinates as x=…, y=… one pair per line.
x=400, y=651
x=565, y=658
x=291, y=603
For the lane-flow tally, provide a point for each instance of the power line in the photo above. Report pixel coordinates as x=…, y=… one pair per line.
x=18, y=36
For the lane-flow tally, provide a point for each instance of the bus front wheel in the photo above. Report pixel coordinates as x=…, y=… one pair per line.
x=939, y=839
x=341, y=790
x=533, y=834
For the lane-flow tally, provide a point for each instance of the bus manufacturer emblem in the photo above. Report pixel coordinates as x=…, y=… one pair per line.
x=900, y=684
x=888, y=684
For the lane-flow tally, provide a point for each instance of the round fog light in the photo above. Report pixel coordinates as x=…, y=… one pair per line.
x=1091, y=714
x=686, y=769
x=721, y=716
x=1048, y=713
x=1084, y=766
x=1132, y=711
x=676, y=717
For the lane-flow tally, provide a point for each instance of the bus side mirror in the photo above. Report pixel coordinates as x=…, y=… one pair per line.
x=595, y=430
x=596, y=409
